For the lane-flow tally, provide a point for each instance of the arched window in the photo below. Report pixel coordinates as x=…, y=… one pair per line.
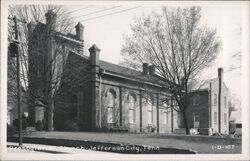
x=110, y=95
x=150, y=111
x=131, y=107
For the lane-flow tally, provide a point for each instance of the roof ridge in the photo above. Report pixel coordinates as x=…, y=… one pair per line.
x=87, y=57
x=120, y=66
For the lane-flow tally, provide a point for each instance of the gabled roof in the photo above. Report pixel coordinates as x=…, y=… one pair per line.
x=201, y=85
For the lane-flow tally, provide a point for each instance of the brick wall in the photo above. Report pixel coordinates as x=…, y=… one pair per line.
x=200, y=108
x=204, y=108
x=141, y=98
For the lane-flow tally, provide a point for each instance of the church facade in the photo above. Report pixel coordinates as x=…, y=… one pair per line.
x=116, y=98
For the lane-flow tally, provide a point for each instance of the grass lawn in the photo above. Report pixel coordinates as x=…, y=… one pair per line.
x=200, y=144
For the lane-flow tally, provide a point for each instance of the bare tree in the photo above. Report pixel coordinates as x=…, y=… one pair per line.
x=43, y=88
x=177, y=45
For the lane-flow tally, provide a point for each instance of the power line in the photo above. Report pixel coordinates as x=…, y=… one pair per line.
x=80, y=9
x=106, y=9
x=74, y=10
x=232, y=69
x=111, y=13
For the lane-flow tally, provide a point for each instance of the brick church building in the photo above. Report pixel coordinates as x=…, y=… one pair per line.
x=91, y=93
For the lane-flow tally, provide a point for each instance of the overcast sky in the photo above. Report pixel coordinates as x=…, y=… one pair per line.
x=107, y=33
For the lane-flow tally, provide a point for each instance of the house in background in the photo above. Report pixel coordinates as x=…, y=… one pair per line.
x=209, y=106
x=236, y=120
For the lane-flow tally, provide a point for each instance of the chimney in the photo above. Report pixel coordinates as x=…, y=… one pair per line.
x=79, y=31
x=145, y=67
x=51, y=20
x=94, y=52
x=220, y=76
x=220, y=73
x=31, y=26
x=151, y=69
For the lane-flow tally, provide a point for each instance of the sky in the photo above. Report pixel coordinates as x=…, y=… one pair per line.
x=107, y=33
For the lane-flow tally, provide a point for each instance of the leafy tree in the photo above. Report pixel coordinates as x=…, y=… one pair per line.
x=177, y=45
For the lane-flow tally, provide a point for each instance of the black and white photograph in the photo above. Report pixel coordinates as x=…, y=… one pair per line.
x=124, y=80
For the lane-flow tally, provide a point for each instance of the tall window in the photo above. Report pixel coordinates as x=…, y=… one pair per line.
x=225, y=102
x=215, y=99
x=215, y=117
x=110, y=106
x=150, y=111
x=165, y=117
x=79, y=102
x=165, y=113
x=196, y=121
x=195, y=99
x=131, y=107
x=225, y=118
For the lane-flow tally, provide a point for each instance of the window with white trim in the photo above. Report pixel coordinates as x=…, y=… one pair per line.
x=150, y=111
x=196, y=121
x=110, y=106
x=131, y=107
x=215, y=99
x=195, y=99
x=165, y=113
x=215, y=117
x=165, y=117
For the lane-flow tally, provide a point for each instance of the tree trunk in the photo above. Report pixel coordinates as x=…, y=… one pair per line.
x=185, y=122
x=50, y=116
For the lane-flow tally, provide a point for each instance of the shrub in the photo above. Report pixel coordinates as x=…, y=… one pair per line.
x=24, y=122
x=10, y=130
x=151, y=128
x=39, y=125
x=71, y=125
x=232, y=127
x=119, y=129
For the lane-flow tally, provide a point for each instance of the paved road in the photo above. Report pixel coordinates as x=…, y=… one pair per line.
x=201, y=144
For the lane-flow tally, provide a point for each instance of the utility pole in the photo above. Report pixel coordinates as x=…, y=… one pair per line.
x=18, y=84
x=14, y=48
